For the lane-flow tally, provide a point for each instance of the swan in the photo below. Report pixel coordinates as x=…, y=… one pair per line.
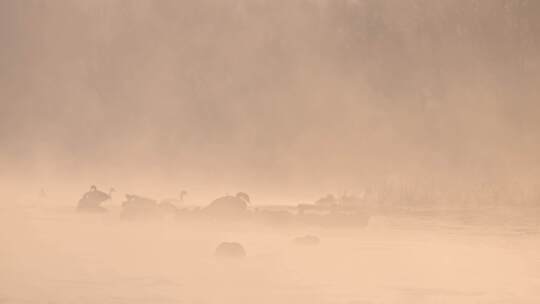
x=92, y=200
x=229, y=205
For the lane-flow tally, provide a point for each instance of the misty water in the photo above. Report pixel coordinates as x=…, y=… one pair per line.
x=426, y=111
x=51, y=254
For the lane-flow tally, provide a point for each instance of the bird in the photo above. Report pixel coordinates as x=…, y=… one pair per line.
x=92, y=199
x=42, y=194
x=134, y=202
x=229, y=205
x=175, y=201
x=136, y=206
x=328, y=200
x=97, y=195
x=169, y=206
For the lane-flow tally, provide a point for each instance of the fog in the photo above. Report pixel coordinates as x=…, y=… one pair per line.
x=61, y=257
x=424, y=113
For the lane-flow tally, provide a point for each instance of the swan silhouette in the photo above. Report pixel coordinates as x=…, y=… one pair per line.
x=92, y=200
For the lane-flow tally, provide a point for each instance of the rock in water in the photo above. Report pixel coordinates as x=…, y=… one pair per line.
x=307, y=240
x=230, y=250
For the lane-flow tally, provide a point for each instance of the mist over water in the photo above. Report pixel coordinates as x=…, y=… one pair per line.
x=61, y=257
x=423, y=114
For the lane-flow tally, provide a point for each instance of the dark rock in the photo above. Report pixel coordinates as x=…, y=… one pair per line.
x=230, y=250
x=307, y=240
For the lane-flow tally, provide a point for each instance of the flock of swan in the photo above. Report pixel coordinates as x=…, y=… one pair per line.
x=325, y=212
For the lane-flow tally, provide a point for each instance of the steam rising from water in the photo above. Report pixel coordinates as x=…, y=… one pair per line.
x=409, y=104
x=55, y=256
x=278, y=97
